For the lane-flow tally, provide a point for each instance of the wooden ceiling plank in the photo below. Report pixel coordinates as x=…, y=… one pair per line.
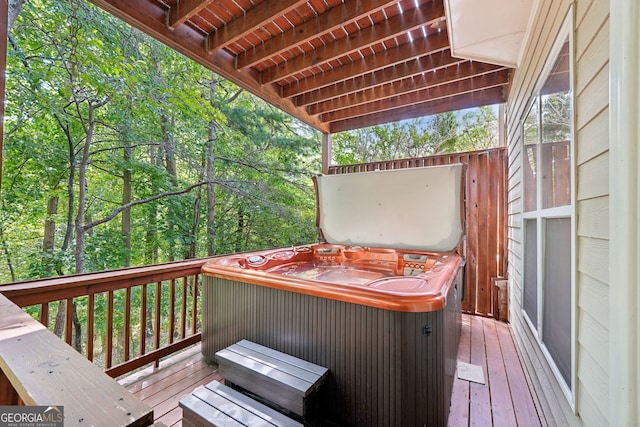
x=184, y=10
x=386, y=75
x=420, y=47
x=396, y=25
x=251, y=21
x=458, y=102
x=149, y=17
x=429, y=79
x=469, y=85
x=313, y=28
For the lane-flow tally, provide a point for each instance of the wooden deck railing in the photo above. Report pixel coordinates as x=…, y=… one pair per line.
x=145, y=331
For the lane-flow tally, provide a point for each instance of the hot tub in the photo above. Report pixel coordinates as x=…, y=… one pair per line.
x=377, y=302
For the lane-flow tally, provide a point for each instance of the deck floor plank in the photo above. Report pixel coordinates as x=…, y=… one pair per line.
x=459, y=412
x=524, y=403
x=480, y=397
x=502, y=410
x=504, y=399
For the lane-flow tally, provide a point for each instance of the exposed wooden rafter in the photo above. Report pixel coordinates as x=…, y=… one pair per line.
x=416, y=84
x=425, y=108
x=367, y=37
x=184, y=10
x=432, y=63
x=254, y=18
x=327, y=22
x=334, y=64
x=390, y=57
x=469, y=85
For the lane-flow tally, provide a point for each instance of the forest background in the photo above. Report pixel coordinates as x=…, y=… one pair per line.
x=120, y=152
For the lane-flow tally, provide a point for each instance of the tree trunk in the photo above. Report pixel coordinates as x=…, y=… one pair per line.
x=240, y=231
x=48, y=241
x=77, y=329
x=5, y=249
x=126, y=214
x=151, y=229
x=211, y=176
x=48, y=246
x=58, y=327
x=168, y=149
x=13, y=12
x=211, y=190
x=193, y=238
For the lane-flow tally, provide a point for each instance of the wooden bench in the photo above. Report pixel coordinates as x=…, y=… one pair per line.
x=277, y=377
x=218, y=405
x=38, y=368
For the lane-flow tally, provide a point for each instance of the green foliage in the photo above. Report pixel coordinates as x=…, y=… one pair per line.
x=442, y=133
x=63, y=57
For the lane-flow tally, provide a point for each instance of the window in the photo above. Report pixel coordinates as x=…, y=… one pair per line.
x=548, y=226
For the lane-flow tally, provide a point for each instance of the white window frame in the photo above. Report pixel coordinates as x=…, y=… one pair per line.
x=541, y=214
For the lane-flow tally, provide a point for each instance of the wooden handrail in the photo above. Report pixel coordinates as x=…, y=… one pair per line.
x=62, y=287
x=156, y=337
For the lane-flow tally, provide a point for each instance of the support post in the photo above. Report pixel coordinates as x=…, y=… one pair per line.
x=4, y=20
x=624, y=214
x=326, y=152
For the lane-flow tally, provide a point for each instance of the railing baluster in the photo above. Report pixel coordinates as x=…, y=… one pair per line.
x=143, y=321
x=194, y=305
x=109, y=351
x=44, y=314
x=90, y=325
x=172, y=309
x=127, y=322
x=68, y=329
x=108, y=284
x=156, y=343
x=183, y=326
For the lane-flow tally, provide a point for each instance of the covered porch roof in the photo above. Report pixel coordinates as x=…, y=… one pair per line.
x=340, y=65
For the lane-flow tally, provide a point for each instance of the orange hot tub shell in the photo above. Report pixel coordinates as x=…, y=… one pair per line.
x=389, y=279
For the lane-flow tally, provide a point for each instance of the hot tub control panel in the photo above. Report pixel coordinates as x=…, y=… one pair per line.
x=414, y=264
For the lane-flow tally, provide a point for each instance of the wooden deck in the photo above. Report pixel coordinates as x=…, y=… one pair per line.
x=504, y=399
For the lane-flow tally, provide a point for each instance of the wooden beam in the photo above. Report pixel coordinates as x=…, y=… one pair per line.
x=426, y=80
x=390, y=57
x=4, y=12
x=184, y=10
x=458, y=102
x=149, y=17
x=251, y=21
x=326, y=152
x=386, y=75
x=331, y=20
x=473, y=84
x=352, y=43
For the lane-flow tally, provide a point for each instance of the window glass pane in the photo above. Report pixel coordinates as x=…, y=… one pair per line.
x=556, y=116
x=531, y=139
x=531, y=270
x=556, y=321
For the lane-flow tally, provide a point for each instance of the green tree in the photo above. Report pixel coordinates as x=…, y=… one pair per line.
x=441, y=133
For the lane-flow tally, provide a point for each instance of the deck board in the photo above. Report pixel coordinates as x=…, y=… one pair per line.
x=504, y=400
x=480, y=397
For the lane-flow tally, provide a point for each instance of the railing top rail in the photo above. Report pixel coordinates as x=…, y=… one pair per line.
x=62, y=287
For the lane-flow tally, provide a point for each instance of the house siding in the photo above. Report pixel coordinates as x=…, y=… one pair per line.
x=591, y=156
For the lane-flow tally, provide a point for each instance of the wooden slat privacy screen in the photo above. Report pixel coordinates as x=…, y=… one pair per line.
x=486, y=213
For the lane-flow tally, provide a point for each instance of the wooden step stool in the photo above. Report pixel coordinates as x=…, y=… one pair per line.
x=218, y=405
x=277, y=377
